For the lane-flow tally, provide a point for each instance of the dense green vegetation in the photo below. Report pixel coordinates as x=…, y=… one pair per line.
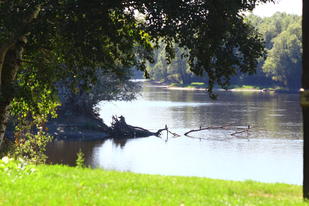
x=62, y=185
x=280, y=68
x=44, y=42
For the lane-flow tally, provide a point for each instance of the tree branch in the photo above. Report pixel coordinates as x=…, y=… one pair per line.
x=206, y=128
x=242, y=131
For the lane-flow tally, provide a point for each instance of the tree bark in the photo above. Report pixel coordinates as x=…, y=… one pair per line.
x=3, y=120
x=9, y=70
x=3, y=101
x=3, y=50
x=305, y=107
x=10, y=59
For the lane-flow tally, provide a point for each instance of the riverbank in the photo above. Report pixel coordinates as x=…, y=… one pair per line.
x=63, y=185
x=202, y=86
x=78, y=127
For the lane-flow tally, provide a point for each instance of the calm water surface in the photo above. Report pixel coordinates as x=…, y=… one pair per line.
x=270, y=152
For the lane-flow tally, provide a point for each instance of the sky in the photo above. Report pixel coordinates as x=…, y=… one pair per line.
x=288, y=6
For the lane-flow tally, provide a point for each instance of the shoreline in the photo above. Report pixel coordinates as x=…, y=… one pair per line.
x=85, y=128
x=152, y=83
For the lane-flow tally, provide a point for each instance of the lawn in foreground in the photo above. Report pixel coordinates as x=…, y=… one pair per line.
x=62, y=185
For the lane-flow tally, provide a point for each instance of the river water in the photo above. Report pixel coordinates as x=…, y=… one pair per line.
x=270, y=151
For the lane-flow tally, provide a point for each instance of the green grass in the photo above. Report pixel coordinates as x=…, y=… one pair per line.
x=244, y=87
x=175, y=85
x=251, y=87
x=196, y=85
x=199, y=85
x=62, y=185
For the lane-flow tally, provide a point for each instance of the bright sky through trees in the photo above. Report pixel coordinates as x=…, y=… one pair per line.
x=288, y=6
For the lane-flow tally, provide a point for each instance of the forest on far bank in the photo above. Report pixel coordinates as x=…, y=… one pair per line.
x=280, y=68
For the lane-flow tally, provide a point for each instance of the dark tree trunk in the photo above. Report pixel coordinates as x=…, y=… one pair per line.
x=3, y=102
x=10, y=59
x=9, y=70
x=305, y=99
x=3, y=119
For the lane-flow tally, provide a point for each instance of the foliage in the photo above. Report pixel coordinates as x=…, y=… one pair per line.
x=107, y=87
x=30, y=117
x=79, y=186
x=284, y=60
x=80, y=159
x=280, y=68
x=283, y=40
x=176, y=70
x=15, y=168
x=50, y=49
x=50, y=41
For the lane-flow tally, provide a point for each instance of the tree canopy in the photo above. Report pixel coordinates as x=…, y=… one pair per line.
x=44, y=41
x=280, y=68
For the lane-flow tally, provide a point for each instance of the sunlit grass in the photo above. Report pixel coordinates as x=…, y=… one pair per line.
x=245, y=87
x=198, y=83
x=251, y=87
x=192, y=85
x=62, y=185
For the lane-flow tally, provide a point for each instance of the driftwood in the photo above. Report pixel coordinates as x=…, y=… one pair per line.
x=120, y=129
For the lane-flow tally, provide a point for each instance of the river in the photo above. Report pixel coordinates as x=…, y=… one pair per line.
x=271, y=150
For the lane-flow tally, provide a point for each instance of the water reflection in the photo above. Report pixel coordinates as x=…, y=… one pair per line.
x=271, y=152
x=64, y=152
x=262, y=160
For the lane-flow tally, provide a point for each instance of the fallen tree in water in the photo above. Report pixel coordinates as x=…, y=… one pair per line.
x=120, y=129
x=92, y=127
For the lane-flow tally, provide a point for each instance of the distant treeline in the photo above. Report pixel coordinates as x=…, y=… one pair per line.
x=280, y=68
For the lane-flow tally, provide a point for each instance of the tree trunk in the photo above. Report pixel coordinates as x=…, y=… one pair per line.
x=10, y=59
x=9, y=69
x=305, y=97
x=3, y=103
x=3, y=119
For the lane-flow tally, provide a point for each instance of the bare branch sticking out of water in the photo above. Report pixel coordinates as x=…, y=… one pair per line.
x=207, y=128
x=158, y=133
x=225, y=127
x=241, y=131
x=174, y=134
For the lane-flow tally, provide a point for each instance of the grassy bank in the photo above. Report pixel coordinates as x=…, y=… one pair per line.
x=202, y=85
x=62, y=185
x=193, y=85
x=254, y=88
x=238, y=88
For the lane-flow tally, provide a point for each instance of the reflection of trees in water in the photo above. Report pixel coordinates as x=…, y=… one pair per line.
x=120, y=142
x=65, y=152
